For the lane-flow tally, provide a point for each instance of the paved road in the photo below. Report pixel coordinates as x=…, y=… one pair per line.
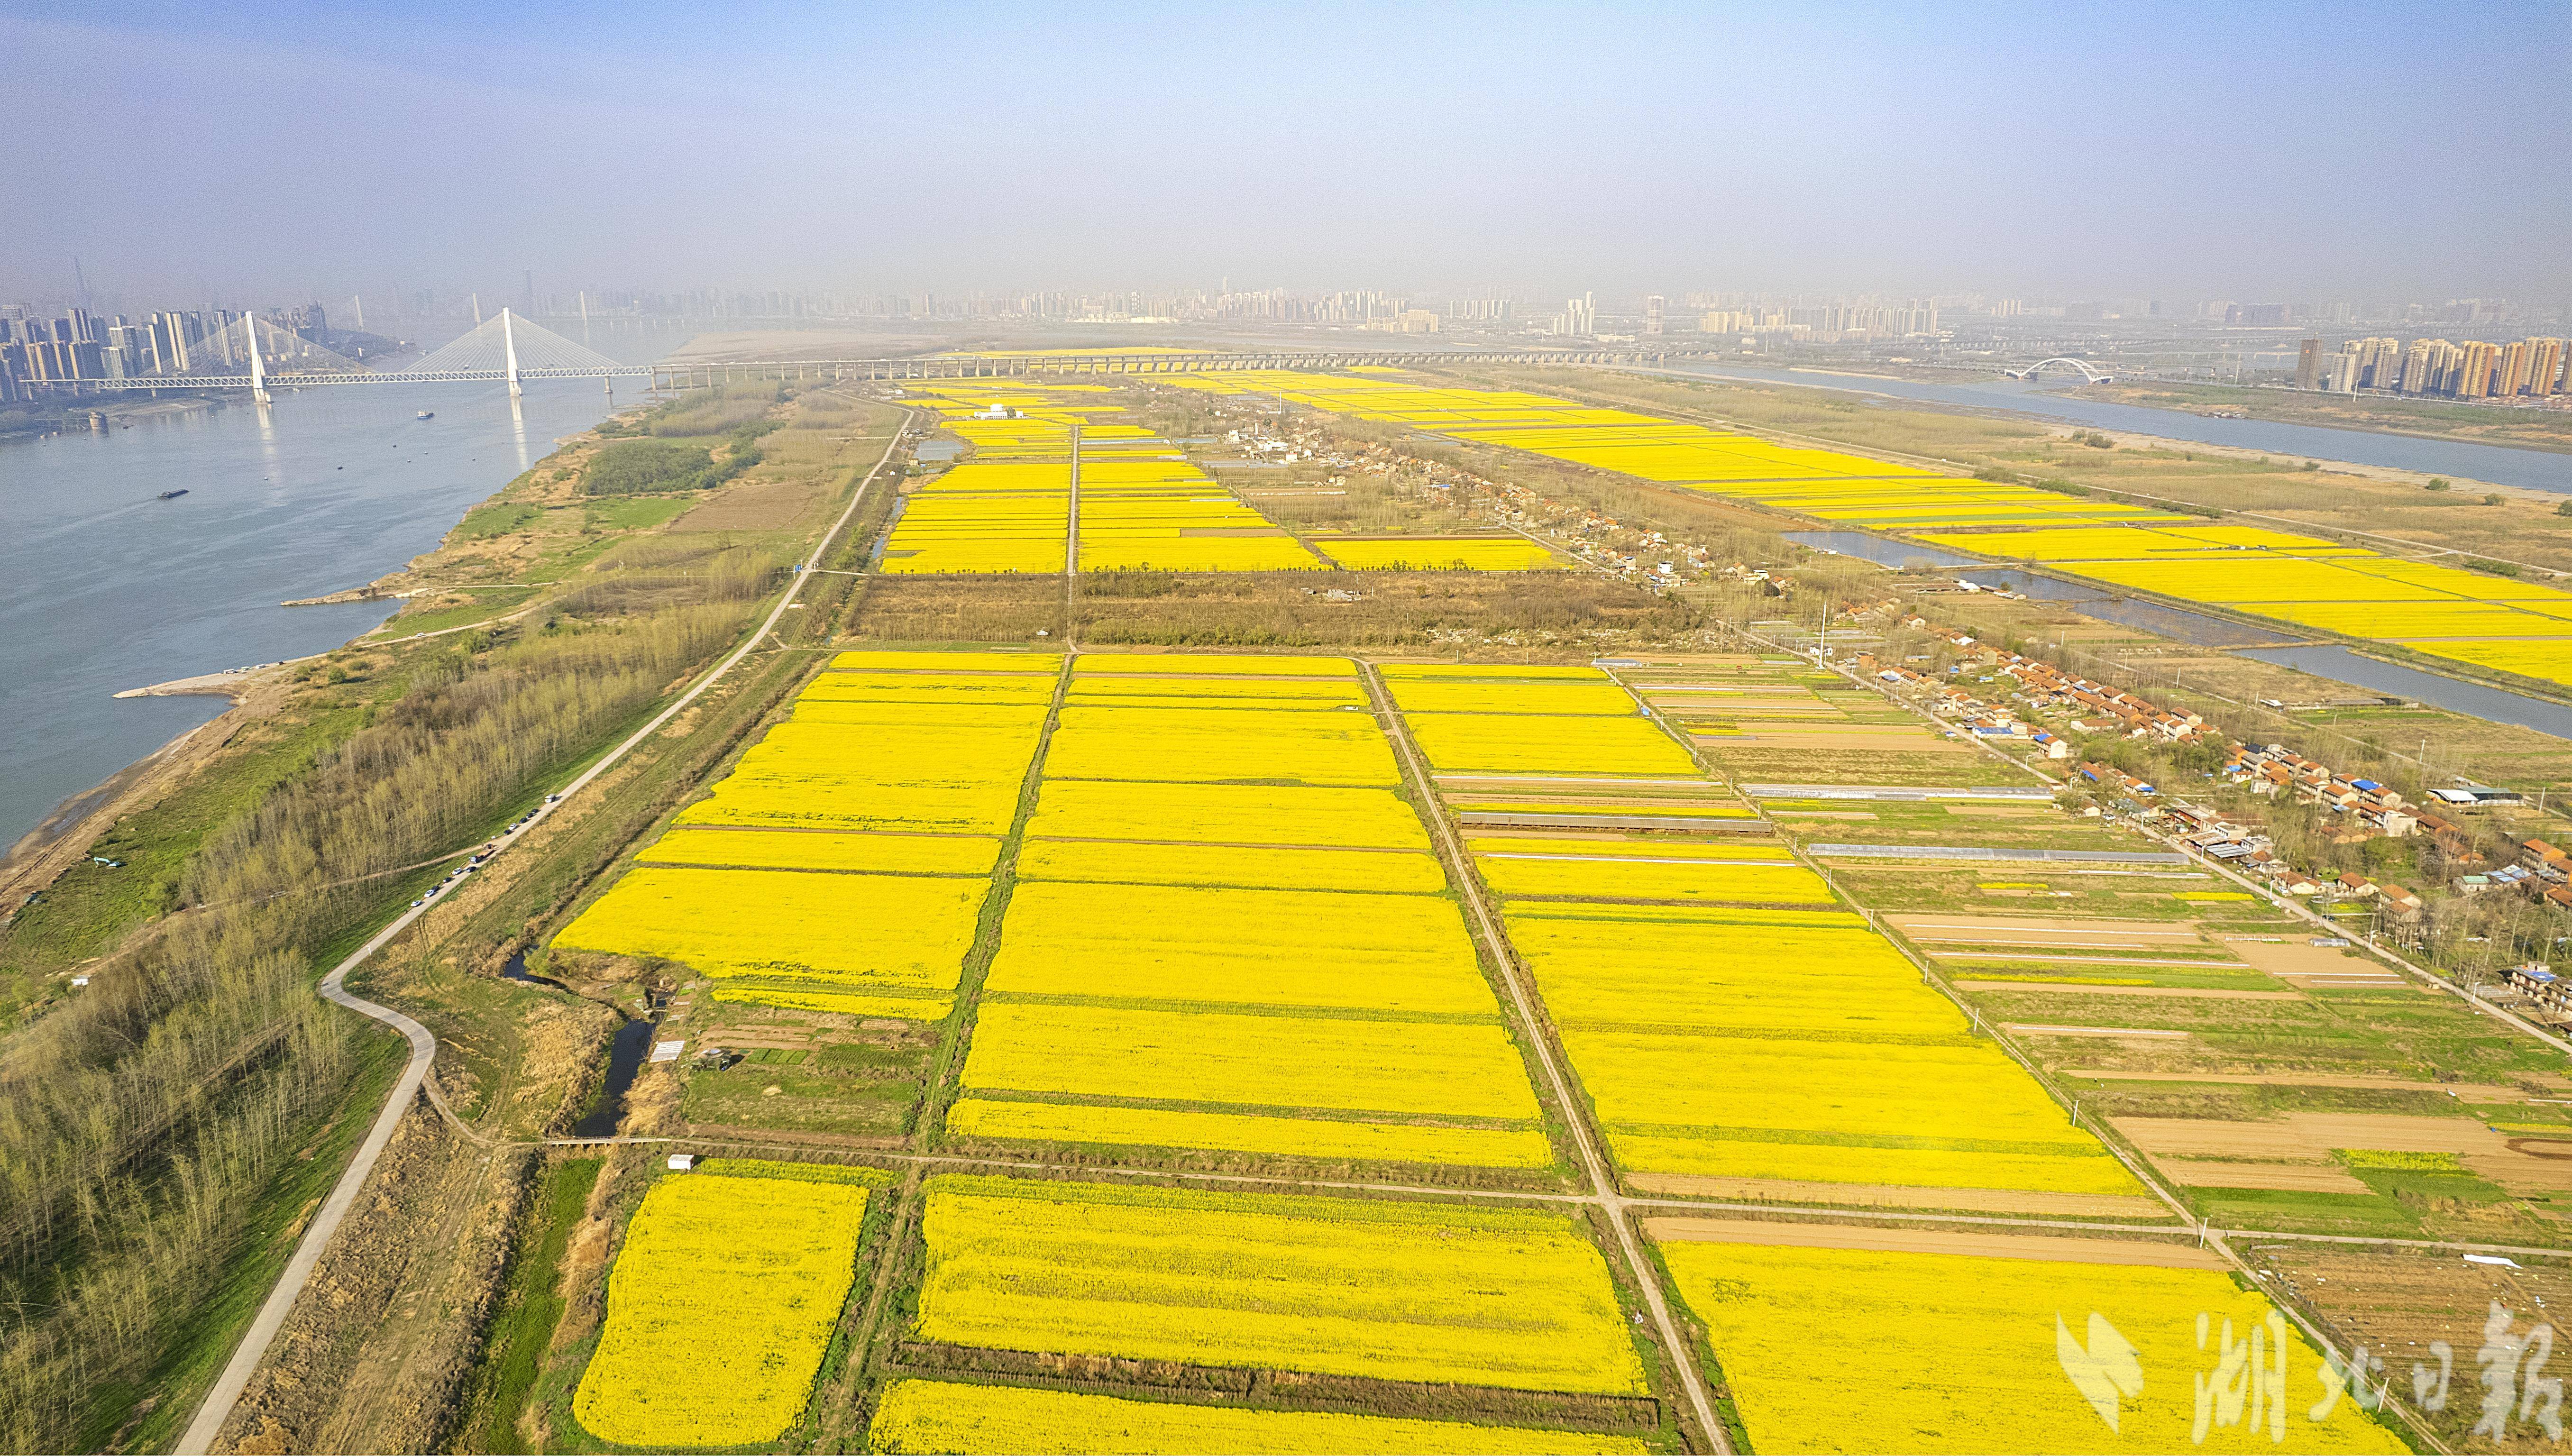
x=228, y=1387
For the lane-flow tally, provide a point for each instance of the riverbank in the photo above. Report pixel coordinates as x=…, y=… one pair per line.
x=174, y=953
x=65, y=838
x=103, y=586
x=2390, y=506
x=2446, y=458
x=2524, y=427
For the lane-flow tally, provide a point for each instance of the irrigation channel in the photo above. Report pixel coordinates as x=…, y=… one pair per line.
x=2319, y=659
x=2498, y=464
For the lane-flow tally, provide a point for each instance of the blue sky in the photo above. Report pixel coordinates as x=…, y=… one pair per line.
x=2190, y=150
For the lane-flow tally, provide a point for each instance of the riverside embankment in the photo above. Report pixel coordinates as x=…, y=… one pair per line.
x=103, y=586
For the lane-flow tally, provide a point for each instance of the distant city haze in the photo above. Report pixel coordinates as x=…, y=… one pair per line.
x=221, y=154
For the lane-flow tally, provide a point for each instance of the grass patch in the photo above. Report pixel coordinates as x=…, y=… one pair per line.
x=91, y=908
x=514, y=1353
x=506, y=518
x=640, y=512
x=484, y=607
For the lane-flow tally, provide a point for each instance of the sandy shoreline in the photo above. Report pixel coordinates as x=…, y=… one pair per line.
x=63, y=839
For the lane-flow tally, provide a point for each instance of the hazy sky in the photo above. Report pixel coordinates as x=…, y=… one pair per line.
x=2272, y=151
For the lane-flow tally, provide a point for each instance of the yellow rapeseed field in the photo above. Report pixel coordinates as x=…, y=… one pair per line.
x=1926, y=1174
x=1326, y=1139
x=1509, y=743
x=930, y=687
x=1399, y=672
x=719, y=1308
x=1247, y=814
x=1451, y=695
x=1331, y=1286
x=1231, y=865
x=1135, y=689
x=1830, y=485
x=920, y=778
x=2136, y=542
x=2472, y=617
x=1296, y=948
x=985, y=517
x=1824, y=972
x=1640, y=847
x=1928, y=1117
x=918, y=1417
x=2551, y=661
x=1230, y=664
x=872, y=935
x=792, y=848
x=1972, y=1355
x=1790, y=1044
x=1331, y=747
x=1234, y=1060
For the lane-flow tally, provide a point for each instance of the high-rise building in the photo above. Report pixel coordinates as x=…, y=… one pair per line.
x=2545, y=366
x=1652, y=315
x=2419, y=363
x=1581, y=315
x=2474, y=369
x=2509, y=381
x=2379, y=362
x=2308, y=365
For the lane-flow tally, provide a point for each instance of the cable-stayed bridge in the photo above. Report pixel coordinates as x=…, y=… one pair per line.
x=249, y=353
x=253, y=353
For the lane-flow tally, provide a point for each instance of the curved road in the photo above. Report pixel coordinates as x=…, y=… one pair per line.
x=228, y=1387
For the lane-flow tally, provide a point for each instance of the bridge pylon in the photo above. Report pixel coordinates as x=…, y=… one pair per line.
x=509, y=351
x=258, y=368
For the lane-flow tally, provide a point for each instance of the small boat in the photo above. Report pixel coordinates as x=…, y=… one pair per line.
x=172, y=494
x=425, y=414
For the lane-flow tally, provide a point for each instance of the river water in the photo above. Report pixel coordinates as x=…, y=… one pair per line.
x=2199, y=629
x=2324, y=660
x=2497, y=465
x=103, y=586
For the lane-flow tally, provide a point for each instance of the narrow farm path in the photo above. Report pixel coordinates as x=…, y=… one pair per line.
x=1604, y=1192
x=227, y=1391
x=2142, y=1169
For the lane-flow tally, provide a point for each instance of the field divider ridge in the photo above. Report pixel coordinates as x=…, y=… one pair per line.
x=1604, y=1192
x=2115, y=1142
x=987, y=941
x=2266, y=896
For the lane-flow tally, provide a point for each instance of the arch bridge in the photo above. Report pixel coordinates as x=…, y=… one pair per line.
x=2090, y=374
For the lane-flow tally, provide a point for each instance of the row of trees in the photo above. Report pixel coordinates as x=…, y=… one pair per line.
x=143, y=1124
